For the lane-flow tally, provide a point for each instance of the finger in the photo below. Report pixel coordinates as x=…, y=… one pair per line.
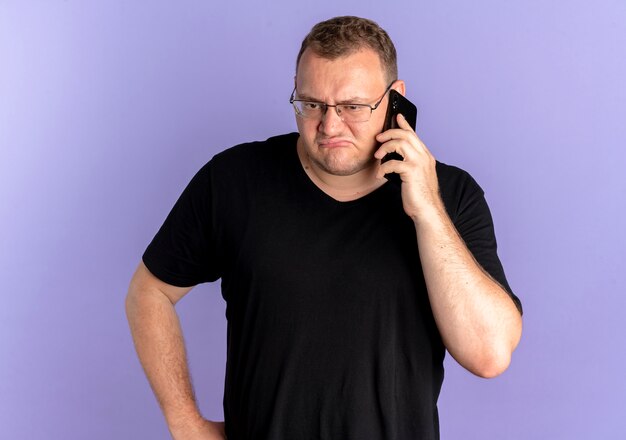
x=403, y=123
x=392, y=166
x=406, y=146
x=392, y=133
x=401, y=135
x=391, y=146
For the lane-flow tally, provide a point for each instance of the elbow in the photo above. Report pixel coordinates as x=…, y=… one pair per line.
x=494, y=359
x=132, y=302
x=132, y=307
x=492, y=366
x=486, y=363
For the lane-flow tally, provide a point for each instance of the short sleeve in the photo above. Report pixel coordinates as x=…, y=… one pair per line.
x=182, y=253
x=472, y=218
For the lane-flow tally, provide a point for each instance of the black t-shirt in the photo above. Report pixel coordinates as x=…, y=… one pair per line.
x=330, y=331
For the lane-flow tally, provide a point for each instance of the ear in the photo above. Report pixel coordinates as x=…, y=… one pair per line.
x=400, y=87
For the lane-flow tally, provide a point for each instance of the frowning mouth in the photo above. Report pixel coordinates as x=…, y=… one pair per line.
x=334, y=143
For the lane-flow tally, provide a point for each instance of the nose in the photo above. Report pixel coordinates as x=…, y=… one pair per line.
x=331, y=121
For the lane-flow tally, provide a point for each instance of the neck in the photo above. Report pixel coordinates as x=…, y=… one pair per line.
x=341, y=188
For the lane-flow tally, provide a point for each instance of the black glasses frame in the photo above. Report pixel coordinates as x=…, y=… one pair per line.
x=325, y=106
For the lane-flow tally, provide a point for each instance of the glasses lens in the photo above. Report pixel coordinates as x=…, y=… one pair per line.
x=347, y=112
x=309, y=109
x=354, y=112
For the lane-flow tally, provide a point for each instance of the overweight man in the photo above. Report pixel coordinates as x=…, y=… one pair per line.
x=343, y=289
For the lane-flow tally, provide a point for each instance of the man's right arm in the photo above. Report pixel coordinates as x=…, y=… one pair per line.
x=159, y=342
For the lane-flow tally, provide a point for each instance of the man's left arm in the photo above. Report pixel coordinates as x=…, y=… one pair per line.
x=479, y=323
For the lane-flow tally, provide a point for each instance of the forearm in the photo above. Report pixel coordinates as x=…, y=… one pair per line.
x=479, y=323
x=159, y=342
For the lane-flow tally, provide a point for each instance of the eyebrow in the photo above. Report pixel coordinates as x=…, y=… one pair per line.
x=351, y=100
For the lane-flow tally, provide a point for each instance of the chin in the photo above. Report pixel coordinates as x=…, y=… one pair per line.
x=343, y=167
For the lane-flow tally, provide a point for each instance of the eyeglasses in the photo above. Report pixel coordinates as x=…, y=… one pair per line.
x=347, y=112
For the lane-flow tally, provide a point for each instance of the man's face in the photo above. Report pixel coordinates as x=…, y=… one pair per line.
x=337, y=147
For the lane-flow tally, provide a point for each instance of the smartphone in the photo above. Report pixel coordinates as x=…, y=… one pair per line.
x=398, y=104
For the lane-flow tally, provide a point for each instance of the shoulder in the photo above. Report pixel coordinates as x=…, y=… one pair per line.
x=458, y=188
x=453, y=179
x=253, y=152
x=249, y=162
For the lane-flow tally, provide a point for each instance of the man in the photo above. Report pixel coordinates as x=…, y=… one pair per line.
x=343, y=289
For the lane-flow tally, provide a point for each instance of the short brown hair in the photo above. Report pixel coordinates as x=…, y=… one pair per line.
x=341, y=36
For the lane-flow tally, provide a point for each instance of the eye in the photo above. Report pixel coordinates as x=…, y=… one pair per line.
x=311, y=106
x=353, y=108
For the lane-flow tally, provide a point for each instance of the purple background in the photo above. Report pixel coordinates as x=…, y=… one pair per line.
x=107, y=108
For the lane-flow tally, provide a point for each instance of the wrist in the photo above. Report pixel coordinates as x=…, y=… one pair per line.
x=201, y=429
x=182, y=420
x=429, y=213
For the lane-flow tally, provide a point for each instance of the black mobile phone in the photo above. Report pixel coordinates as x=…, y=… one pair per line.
x=398, y=104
